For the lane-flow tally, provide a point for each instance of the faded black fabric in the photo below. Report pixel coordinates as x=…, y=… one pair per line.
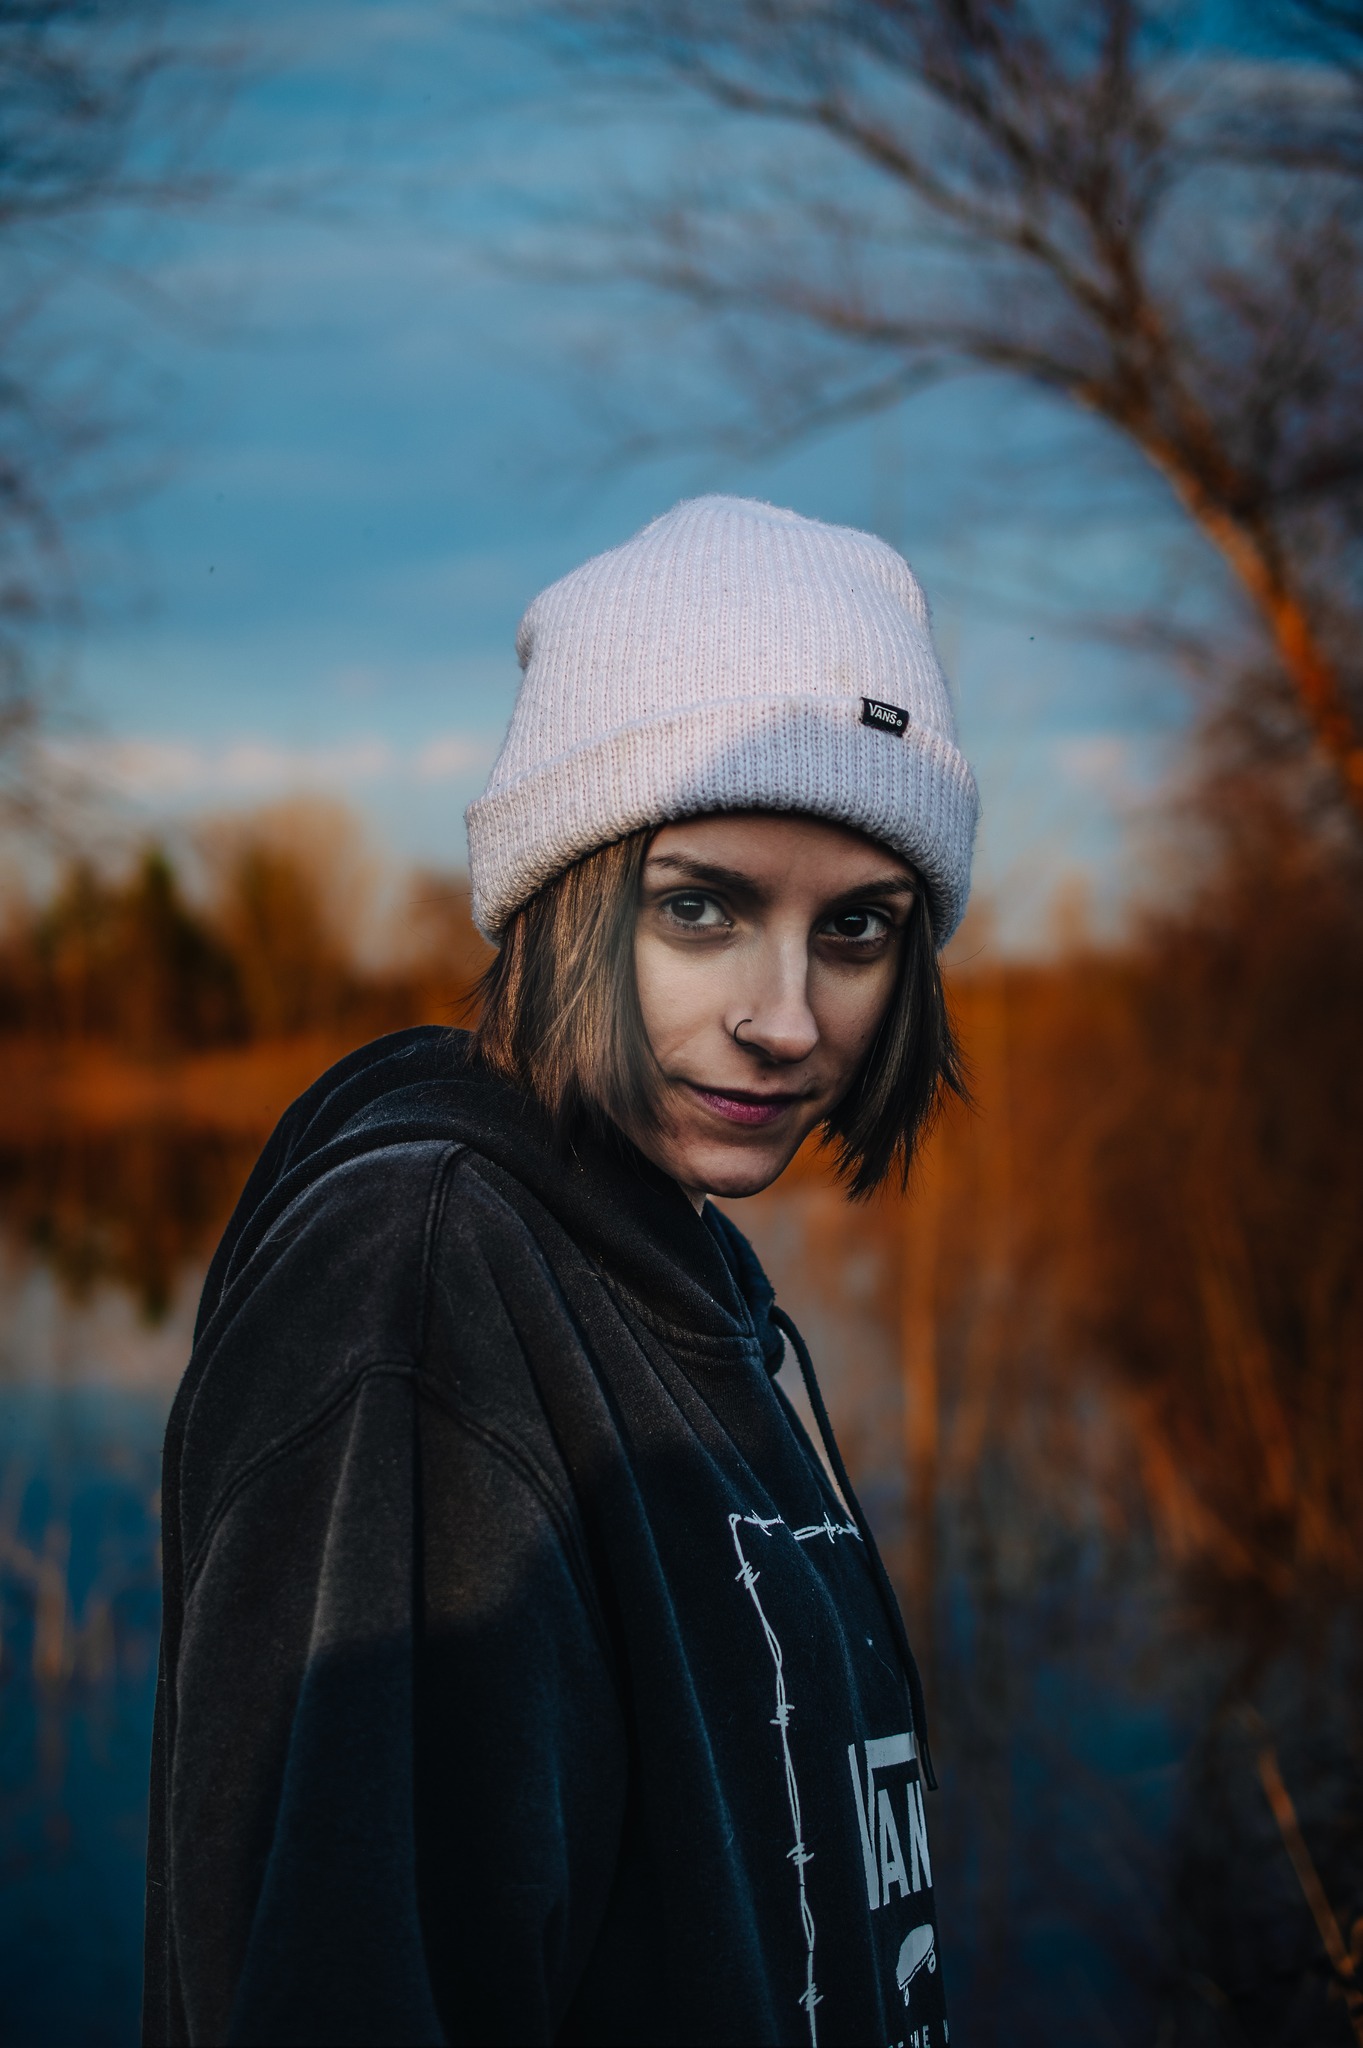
x=522, y=1678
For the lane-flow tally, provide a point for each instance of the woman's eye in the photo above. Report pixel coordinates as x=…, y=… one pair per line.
x=862, y=927
x=702, y=913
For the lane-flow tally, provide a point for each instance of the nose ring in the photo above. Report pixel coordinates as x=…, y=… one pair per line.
x=737, y=1028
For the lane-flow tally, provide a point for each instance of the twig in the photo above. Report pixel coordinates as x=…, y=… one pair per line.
x=1308, y=1877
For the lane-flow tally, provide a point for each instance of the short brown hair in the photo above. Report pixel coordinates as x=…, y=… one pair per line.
x=560, y=1017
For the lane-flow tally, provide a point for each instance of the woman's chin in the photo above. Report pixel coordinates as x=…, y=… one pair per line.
x=734, y=1170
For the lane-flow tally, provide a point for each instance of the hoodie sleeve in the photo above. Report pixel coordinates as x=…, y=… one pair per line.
x=398, y=1770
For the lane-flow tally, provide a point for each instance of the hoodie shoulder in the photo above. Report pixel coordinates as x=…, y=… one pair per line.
x=363, y=1078
x=332, y=1290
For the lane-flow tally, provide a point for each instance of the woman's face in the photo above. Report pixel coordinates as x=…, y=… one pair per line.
x=766, y=950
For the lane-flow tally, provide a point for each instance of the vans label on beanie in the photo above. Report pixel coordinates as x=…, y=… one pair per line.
x=888, y=717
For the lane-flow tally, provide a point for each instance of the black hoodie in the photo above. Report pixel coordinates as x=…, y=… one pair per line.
x=523, y=1679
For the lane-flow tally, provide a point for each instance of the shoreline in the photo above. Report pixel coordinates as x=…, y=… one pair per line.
x=54, y=1090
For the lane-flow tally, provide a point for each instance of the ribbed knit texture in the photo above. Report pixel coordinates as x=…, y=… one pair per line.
x=718, y=662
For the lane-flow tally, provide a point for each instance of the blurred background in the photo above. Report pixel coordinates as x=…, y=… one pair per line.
x=328, y=335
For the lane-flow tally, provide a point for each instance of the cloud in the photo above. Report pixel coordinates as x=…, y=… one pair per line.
x=159, y=769
x=448, y=755
x=1117, y=766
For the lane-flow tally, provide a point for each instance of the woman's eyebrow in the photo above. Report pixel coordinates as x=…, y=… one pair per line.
x=883, y=885
x=705, y=871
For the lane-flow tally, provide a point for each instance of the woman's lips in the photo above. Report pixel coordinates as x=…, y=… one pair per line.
x=744, y=1109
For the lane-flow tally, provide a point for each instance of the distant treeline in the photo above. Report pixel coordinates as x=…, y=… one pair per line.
x=272, y=948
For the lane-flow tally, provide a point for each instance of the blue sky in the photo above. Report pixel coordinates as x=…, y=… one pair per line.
x=372, y=450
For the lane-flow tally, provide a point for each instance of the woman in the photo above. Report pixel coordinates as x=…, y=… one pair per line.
x=523, y=1677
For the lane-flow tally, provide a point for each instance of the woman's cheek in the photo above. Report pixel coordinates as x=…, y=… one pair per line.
x=851, y=1015
x=669, y=995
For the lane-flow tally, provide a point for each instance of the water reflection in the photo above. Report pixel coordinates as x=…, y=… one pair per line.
x=1115, y=1718
x=134, y=1207
x=79, y=1622
x=102, y=1246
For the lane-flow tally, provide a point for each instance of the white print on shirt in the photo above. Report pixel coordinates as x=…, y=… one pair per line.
x=881, y=1848
x=747, y=1576
x=917, y=1951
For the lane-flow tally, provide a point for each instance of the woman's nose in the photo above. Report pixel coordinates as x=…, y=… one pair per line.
x=776, y=1020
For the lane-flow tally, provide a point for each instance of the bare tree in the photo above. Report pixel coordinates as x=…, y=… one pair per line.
x=102, y=117
x=1089, y=196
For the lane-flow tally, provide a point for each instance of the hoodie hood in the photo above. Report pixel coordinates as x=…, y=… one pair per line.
x=696, y=1276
